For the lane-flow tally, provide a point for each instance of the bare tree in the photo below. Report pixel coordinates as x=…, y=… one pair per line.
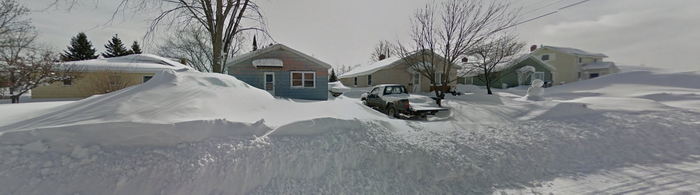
x=383, y=49
x=194, y=46
x=23, y=65
x=105, y=82
x=442, y=35
x=222, y=20
x=12, y=21
x=491, y=58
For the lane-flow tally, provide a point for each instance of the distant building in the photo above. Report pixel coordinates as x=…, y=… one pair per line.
x=553, y=65
x=519, y=71
x=393, y=70
x=99, y=76
x=574, y=64
x=283, y=71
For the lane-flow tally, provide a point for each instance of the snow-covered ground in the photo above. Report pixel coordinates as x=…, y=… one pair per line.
x=197, y=133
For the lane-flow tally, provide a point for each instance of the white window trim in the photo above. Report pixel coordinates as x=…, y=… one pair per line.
x=303, y=79
x=438, y=81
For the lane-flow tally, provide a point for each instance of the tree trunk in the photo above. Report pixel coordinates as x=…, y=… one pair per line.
x=15, y=99
x=217, y=58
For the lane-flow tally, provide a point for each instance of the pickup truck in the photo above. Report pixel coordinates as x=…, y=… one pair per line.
x=394, y=100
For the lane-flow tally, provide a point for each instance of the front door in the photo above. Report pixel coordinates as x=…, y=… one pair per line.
x=415, y=81
x=270, y=82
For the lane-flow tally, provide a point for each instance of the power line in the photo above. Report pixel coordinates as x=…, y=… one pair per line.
x=549, y=13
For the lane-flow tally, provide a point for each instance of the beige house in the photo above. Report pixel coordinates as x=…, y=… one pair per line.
x=99, y=76
x=392, y=70
x=573, y=64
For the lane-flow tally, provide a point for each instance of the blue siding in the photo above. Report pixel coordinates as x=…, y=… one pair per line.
x=283, y=85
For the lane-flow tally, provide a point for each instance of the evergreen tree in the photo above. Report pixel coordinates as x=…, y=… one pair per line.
x=135, y=48
x=255, y=43
x=115, y=48
x=333, y=77
x=79, y=49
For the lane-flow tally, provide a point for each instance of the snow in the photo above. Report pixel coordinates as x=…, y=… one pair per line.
x=129, y=63
x=185, y=132
x=370, y=68
x=575, y=51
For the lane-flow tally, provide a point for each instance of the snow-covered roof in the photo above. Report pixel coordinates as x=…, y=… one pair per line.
x=597, y=65
x=129, y=63
x=249, y=55
x=370, y=68
x=575, y=51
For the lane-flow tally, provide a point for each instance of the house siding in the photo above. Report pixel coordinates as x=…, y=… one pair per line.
x=511, y=76
x=396, y=74
x=246, y=72
x=82, y=87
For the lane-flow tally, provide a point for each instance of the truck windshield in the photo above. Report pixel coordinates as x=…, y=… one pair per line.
x=394, y=90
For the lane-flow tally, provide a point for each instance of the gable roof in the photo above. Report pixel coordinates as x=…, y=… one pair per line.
x=252, y=54
x=370, y=68
x=130, y=63
x=574, y=51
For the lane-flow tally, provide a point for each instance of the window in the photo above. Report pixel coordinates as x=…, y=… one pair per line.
x=303, y=79
x=593, y=75
x=416, y=78
x=394, y=90
x=595, y=60
x=147, y=78
x=355, y=81
x=538, y=75
x=68, y=82
x=545, y=57
x=580, y=60
x=375, y=91
x=369, y=80
x=579, y=75
x=438, y=78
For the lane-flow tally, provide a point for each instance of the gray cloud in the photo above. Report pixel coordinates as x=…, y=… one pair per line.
x=650, y=32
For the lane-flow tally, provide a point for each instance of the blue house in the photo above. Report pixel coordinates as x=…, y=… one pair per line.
x=283, y=71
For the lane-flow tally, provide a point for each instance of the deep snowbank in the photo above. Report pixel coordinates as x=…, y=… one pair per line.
x=212, y=141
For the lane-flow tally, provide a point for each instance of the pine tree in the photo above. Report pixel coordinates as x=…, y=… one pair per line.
x=115, y=48
x=333, y=77
x=79, y=49
x=255, y=43
x=135, y=48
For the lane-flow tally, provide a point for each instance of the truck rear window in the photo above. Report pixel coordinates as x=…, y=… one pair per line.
x=394, y=90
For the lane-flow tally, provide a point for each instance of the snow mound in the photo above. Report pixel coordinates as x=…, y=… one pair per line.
x=175, y=107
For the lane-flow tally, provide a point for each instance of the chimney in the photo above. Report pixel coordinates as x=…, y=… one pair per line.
x=533, y=48
x=382, y=57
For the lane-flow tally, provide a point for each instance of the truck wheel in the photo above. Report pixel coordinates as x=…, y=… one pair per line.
x=364, y=102
x=391, y=112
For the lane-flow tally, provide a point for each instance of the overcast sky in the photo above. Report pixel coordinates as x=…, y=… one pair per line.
x=632, y=32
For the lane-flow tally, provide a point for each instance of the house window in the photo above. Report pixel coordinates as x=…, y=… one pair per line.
x=369, y=80
x=593, y=75
x=580, y=60
x=438, y=78
x=146, y=78
x=68, y=82
x=355, y=81
x=416, y=78
x=545, y=57
x=579, y=75
x=303, y=79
